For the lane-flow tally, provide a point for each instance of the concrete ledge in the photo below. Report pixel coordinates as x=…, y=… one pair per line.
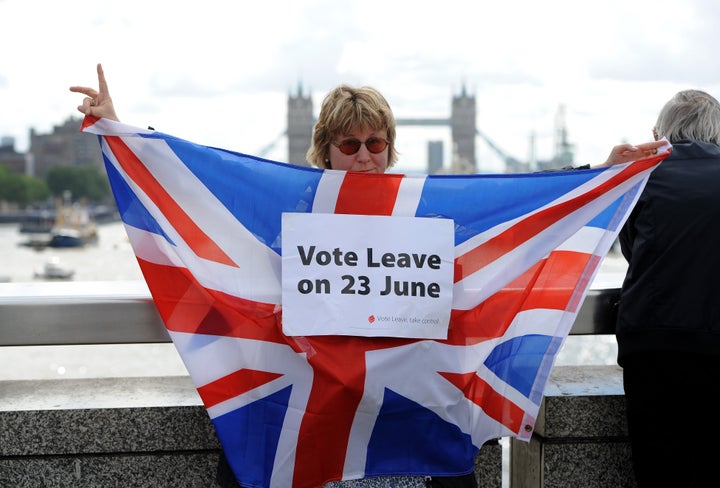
x=68, y=394
x=580, y=437
x=177, y=470
x=106, y=432
x=119, y=432
x=586, y=401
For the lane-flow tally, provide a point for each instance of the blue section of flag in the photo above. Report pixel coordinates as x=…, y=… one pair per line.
x=131, y=210
x=259, y=193
x=262, y=423
x=495, y=198
x=405, y=426
x=518, y=360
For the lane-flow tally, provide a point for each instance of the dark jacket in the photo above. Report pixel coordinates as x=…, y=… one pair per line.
x=670, y=299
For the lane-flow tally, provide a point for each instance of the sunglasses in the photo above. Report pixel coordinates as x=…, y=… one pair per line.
x=350, y=146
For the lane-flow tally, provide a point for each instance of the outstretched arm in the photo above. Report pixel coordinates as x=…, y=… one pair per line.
x=624, y=153
x=97, y=102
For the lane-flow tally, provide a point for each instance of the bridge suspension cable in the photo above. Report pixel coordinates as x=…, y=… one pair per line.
x=269, y=147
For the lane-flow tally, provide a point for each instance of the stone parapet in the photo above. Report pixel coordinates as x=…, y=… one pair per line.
x=120, y=432
x=580, y=437
x=105, y=432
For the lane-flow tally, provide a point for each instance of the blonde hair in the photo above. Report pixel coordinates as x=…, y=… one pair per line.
x=344, y=110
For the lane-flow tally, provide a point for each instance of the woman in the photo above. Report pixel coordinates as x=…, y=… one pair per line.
x=355, y=132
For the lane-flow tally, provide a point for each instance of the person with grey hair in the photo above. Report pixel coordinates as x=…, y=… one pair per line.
x=668, y=327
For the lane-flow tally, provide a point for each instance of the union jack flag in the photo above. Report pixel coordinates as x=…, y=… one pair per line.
x=205, y=225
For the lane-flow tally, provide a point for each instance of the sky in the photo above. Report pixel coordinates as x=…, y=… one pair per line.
x=219, y=72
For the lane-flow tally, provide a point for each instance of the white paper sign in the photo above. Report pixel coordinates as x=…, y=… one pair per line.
x=372, y=276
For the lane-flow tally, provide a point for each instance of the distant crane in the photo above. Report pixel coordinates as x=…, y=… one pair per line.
x=564, y=150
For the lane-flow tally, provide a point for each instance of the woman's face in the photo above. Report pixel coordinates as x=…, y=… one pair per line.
x=364, y=159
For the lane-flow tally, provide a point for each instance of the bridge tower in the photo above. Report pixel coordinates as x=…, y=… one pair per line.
x=300, y=122
x=463, y=127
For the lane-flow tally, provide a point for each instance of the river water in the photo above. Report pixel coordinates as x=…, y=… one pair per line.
x=112, y=259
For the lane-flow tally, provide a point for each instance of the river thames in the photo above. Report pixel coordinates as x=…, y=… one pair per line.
x=110, y=259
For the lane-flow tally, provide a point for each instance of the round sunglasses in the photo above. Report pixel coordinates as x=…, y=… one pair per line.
x=350, y=146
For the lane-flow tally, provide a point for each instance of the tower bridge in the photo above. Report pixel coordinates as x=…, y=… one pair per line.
x=463, y=130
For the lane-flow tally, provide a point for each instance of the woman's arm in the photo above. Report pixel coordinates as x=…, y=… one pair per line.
x=97, y=102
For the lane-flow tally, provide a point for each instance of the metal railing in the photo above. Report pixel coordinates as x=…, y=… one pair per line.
x=122, y=312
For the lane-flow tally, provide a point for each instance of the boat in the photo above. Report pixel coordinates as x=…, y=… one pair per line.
x=36, y=226
x=53, y=269
x=71, y=237
x=74, y=226
x=36, y=241
x=39, y=222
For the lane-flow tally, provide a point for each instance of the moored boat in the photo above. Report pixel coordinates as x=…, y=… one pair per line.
x=53, y=269
x=40, y=222
x=71, y=237
x=74, y=227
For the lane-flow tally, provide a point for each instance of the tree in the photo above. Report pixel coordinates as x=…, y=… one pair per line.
x=82, y=181
x=21, y=189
